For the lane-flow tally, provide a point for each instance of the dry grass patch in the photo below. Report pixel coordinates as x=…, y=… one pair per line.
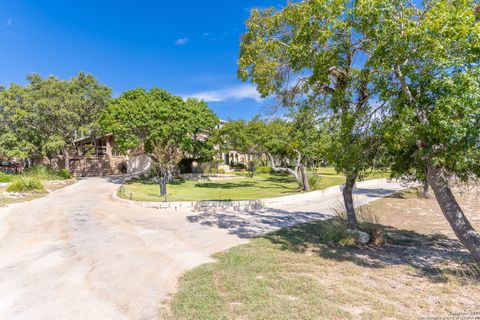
x=296, y=273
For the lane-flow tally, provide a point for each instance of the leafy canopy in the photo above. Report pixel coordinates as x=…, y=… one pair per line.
x=162, y=124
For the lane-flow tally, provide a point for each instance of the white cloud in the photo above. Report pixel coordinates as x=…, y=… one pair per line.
x=181, y=41
x=235, y=93
x=9, y=22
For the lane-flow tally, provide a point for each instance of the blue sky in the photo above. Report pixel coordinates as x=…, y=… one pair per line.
x=189, y=48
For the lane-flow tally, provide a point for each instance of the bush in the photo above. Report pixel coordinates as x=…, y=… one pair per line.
x=5, y=177
x=221, y=171
x=213, y=171
x=330, y=232
x=26, y=184
x=65, y=174
x=314, y=182
x=263, y=169
x=46, y=173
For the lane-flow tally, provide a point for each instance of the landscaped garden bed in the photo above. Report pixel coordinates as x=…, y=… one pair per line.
x=32, y=184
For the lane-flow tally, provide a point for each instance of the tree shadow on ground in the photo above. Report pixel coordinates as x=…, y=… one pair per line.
x=252, y=223
x=434, y=256
x=226, y=185
x=280, y=179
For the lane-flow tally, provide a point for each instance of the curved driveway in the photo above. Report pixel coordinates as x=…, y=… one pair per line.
x=76, y=254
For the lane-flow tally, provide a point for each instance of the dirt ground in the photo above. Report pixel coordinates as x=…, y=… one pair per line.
x=421, y=272
x=417, y=234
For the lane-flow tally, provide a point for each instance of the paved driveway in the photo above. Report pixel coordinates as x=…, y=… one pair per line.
x=76, y=254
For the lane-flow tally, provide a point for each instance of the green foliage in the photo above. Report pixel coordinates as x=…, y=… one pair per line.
x=42, y=117
x=5, y=177
x=221, y=171
x=46, y=173
x=165, y=126
x=263, y=169
x=331, y=232
x=65, y=174
x=432, y=86
x=314, y=181
x=26, y=184
x=213, y=171
x=308, y=54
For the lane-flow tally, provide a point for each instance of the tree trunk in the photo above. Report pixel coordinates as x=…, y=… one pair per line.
x=66, y=159
x=348, y=200
x=281, y=169
x=252, y=168
x=162, y=181
x=426, y=190
x=304, y=175
x=452, y=211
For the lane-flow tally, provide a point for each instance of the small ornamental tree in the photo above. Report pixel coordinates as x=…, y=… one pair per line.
x=166, y=127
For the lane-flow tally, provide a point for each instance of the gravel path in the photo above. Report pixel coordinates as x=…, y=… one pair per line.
x=76, y=254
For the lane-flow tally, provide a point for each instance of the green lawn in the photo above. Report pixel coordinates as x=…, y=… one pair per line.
x=329, y=171
x=241, y=188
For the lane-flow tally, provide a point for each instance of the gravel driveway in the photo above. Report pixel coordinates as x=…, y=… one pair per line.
x=76, y=254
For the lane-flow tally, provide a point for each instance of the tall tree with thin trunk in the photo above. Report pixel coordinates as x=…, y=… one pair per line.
x=309, y=54
x=426, y=62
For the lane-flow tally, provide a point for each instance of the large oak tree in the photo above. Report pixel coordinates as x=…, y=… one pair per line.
x=166, y=127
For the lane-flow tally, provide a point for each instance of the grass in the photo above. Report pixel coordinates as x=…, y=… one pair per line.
x=31, y=184
x=240, y=188
x=298, y=273
x=8, y=200
x=26, y=184
x=330, y=171
x=45, y=173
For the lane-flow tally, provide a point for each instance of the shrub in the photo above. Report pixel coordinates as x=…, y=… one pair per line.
x=213, y=171
x=335, y=232
x=45, y=173
x=26, y=184
x=65, y=174
x=5, y=177
x=263, y=169
x=221, y=171
x=330, y=232
x=314, y=182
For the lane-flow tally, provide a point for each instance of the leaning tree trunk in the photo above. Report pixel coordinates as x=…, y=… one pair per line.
x=348, y=200
x=283, y=169
x=451, y=210
x=303, y=173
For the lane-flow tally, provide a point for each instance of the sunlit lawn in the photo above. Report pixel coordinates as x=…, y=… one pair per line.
x=240, y=188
